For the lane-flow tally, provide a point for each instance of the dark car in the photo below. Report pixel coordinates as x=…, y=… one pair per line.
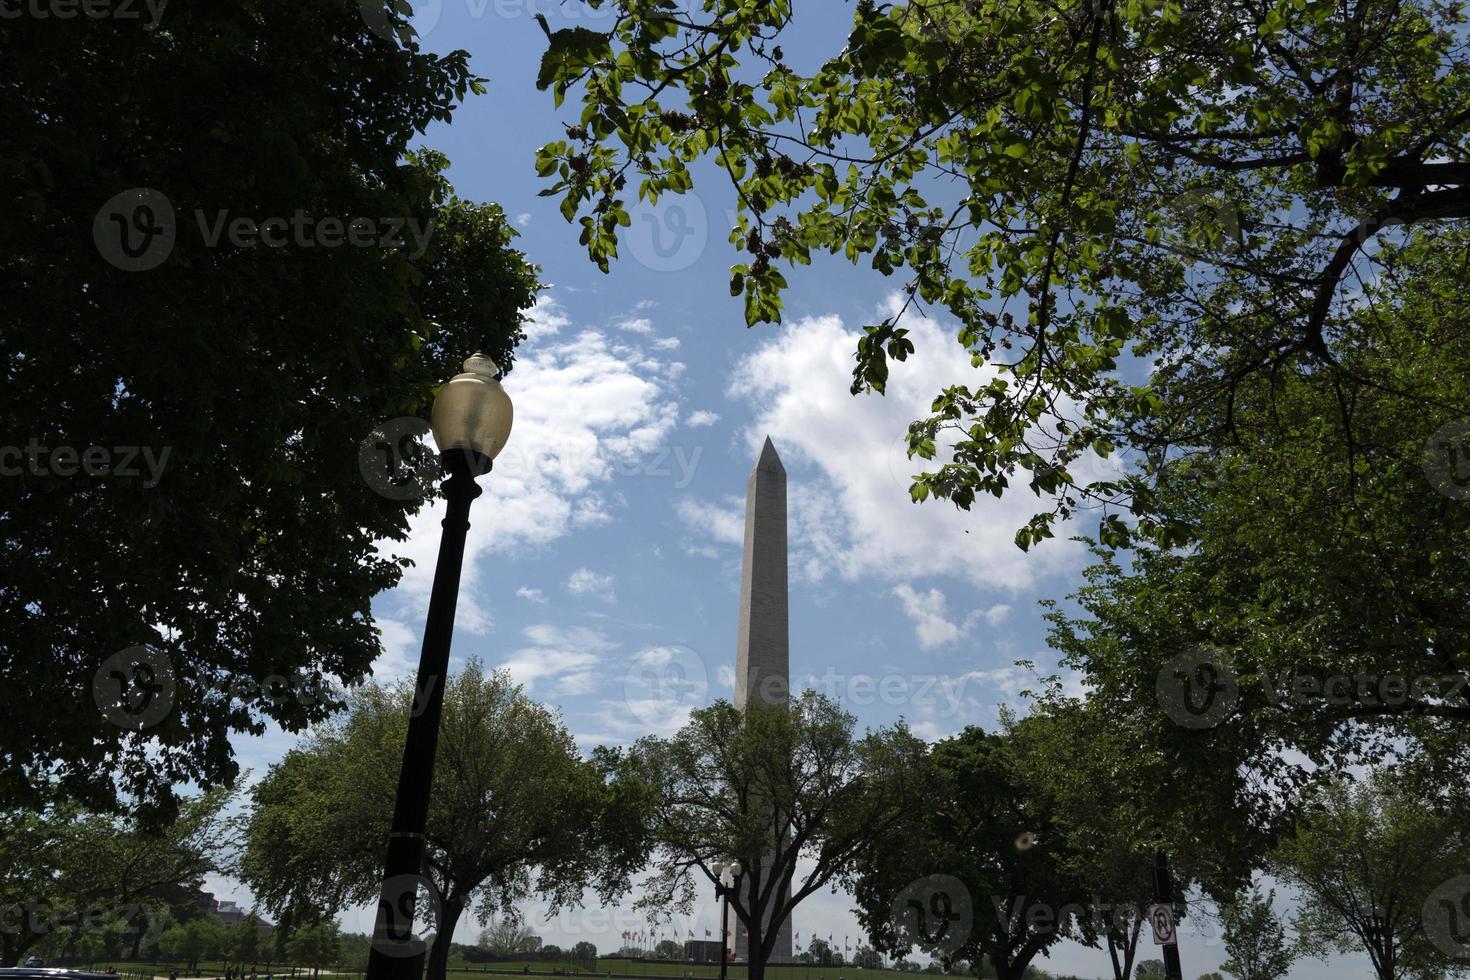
x=51, y=973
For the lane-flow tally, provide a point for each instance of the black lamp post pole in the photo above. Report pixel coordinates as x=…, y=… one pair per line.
x=1164, y=895
x=723, y=893
x=395, y=954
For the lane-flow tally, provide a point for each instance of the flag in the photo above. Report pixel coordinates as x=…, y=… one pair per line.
x=706, y=934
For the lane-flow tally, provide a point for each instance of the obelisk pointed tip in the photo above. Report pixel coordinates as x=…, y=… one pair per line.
x=768, y=459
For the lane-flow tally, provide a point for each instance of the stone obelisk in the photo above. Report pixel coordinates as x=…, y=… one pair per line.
x=763, y=651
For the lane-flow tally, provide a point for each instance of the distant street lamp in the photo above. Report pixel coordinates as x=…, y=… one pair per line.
x=471, y=420
x=725, y=878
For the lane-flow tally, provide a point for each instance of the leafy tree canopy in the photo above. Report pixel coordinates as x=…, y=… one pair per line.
x=1370, y=860
x=959, y=882
x=315, y=946
x=1256, y=943
x=61, y=866
x=1084, y=187
x=1100, y=777
x=320, y=817
x=1320, y=623
x=248, y=551
x=789, y=790
x=507, y=934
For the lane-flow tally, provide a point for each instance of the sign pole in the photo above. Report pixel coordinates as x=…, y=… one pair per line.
x=1163, y=920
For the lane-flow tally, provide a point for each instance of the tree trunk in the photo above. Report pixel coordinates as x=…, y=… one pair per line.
x=1382, y=957
x=1120, y=971
x=438, y=965
x=754, y=943
x=15, y=944
x=1008, y=968
x=1124, y=940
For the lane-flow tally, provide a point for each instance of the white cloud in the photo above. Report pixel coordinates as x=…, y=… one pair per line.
x=701, y=418
x=926, y=610
x=523, y=219
x=563, y=660
x=584, y=581
x=933, y=627
x=660, y=686
x=721, y=523
x=849, y=473
x=666, y=343
x=581, y=404
x=400, y=651
x=971, y=698
x=640, y=324
x=996, y=614
x=545, y=318
x=531, y=595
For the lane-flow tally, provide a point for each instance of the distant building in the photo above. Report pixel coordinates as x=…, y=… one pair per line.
x=226, y=911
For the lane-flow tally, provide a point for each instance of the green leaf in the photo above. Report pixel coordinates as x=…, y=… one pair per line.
x=572, y=50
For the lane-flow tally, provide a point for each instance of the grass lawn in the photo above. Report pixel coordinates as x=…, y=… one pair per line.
x=540, y=969
x=466, y=970
x=736, y=971
x=207, y=968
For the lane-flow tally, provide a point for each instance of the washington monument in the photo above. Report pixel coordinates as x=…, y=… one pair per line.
x=763, y=650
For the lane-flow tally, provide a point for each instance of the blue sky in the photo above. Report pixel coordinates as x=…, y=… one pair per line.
x=606, y=546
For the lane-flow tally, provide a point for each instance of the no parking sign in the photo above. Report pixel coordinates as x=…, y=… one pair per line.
x=1161, y=918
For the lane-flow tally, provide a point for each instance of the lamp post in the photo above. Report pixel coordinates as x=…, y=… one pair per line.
x=471, y=420
x=725, y=878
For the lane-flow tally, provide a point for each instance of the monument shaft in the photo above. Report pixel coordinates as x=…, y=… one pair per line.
x=763, y=651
